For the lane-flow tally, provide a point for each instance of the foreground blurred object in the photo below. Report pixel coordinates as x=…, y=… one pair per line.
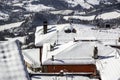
x=11, y=62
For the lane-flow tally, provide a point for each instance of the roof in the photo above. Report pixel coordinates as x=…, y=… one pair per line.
x=11, y=62
x=32, y=56
x=84, y=32
x=55, y=34
x=109, y=66
x=73, y=53
x=66, y=77
x=105, y=36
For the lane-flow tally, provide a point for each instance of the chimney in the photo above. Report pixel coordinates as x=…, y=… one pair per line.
x=95, y=56
x=45, y=27
x=52, y=58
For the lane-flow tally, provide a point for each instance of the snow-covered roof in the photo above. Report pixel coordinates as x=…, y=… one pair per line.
x=66, y=77
x=74, y=53
x=11, y=62
x=32, y=56
x=109, y=66
x=107, y=37
x=83, y=32
x=55, y=34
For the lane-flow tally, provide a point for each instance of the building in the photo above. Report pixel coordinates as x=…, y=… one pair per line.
x=73, y=57
x=12, y=65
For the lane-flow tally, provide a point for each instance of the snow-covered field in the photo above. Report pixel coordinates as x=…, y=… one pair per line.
x=12, y=25
x=110, y=15
x=104, y=16
x=37, y=8
x=80, y=17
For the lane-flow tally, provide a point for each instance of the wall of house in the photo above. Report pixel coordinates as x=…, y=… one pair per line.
x=89, y=68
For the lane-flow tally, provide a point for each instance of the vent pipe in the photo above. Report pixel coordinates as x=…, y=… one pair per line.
x=45, y=27
x=53, y=58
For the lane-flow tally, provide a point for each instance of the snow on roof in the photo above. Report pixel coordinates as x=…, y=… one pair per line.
x=74, y=53
x=107, y=37
x=32, y=56
x=55, y=34
x=11, y=62
x=66, y=77
x=84, y=32
x=109, y=66
x=12, y=25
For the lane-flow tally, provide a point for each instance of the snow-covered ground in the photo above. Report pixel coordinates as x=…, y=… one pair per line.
x=11, y=25
x=104, y=16
x=21, y=39
x=37, y=8
x=80, y=17
x=109, y=15
x=74, y=3
x=62, y=12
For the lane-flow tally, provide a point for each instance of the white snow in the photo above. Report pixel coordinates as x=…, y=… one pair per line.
x=11, y=25
x=21, y=39
x=93, y=2
x=74, y=53
x=80, y=17
x=104, y=16
x=55, y=34
x=37, y=8
x=74, y=3
x=62, y=12
x=69, y=77
x=110, y=15
x=32, y=56
x=83, y=32
x=11, y=62
x=109, y=66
